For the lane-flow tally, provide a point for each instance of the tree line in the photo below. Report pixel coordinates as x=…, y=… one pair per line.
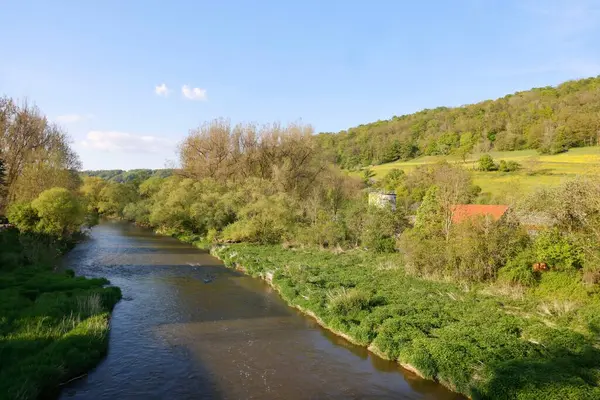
x=549, y=119
x=275, y=184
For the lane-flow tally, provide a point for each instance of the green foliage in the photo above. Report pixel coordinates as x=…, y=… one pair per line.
x=557, y=250
x=519, y=269
x=54, y=327
x=367, y=175
x=23, y=216
x=480, y=345
x=114, y=197
x=524, y=120
x=487, y=163
x=508, y=166
x=60, y=212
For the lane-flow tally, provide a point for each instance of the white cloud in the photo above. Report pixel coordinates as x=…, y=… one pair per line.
x=162, y=90
x=193, y=93
x=72, y=118
x=114, y=141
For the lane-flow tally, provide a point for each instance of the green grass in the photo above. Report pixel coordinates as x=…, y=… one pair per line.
x=482, y=341
x=53, y=327
x=538, y=170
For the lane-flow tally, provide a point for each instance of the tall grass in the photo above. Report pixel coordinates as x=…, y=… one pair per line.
x=53, y=327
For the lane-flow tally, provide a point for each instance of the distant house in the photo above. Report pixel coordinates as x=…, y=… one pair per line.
x=463, y=212
x=381, y=199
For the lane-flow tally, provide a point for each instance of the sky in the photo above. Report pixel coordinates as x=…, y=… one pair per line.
x=128, y=79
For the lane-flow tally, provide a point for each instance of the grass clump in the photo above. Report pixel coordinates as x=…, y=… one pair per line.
x=53, y=327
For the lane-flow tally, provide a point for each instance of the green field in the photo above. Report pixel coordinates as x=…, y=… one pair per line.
x=537, y=170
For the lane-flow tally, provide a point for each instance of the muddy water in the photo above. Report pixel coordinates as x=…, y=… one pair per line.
x=188, y=328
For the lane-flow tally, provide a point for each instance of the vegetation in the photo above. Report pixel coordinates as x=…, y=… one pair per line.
x=534, y=171
x=131, y=176
x=492, y=307
x=472, y=338
x=53, y=325
x=550, y=120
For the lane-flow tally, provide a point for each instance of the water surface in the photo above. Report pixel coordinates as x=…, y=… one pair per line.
x=174, y=336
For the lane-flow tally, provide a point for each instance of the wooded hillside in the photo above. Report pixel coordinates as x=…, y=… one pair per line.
x=549, y=119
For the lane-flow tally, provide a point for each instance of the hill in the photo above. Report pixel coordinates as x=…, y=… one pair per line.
x=536, y=170
x=121, y=176
x=550, y=120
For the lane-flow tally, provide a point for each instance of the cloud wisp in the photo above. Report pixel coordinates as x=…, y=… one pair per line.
x=162, y=90
x=73, y=118
x=114, y=141
x=191, y=93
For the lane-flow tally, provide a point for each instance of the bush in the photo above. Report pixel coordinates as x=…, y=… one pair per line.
x=519, y=269
x=346, y=301
x=509, y=166
x=487, y=163
x=558, y=251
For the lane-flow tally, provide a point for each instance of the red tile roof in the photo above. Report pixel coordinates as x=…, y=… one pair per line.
x=461, y=212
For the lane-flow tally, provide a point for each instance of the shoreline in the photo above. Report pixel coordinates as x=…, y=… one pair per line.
x=268, y=278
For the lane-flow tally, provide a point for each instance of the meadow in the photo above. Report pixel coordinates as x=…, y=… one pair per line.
x=482, y=340
x=537, y=170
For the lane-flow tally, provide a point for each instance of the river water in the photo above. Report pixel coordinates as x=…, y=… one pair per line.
x=174, y=336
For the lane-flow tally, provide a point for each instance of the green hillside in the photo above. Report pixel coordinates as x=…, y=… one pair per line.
x=536, y=170
x=550, y=120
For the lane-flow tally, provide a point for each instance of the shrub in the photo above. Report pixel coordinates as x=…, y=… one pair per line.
x=509, y=166
x=519, y=269
x=558, y=251
x=346, y=301
x=487, y=163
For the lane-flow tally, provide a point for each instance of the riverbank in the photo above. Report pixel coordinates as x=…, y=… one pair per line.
x=53, y=325
x=472, y=340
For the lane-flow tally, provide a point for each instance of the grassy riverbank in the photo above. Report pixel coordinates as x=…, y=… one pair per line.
x=482, y=341
x=53, y=326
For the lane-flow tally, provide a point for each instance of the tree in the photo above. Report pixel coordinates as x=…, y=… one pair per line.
x=36, y=153
x=56, y=212
x=114, y=197
x=286, y=155
x=2, y=183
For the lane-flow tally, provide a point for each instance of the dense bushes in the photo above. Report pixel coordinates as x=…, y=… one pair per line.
x=55, y=212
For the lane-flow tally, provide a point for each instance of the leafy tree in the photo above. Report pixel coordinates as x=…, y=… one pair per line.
x=60, y=212
x=36, y=153
x=114, y=197
x=23, y=216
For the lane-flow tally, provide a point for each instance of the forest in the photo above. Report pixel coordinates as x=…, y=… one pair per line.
x=549, y=119
x=463, y=302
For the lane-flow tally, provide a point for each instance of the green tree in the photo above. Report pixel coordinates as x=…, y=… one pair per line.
x=60, y=212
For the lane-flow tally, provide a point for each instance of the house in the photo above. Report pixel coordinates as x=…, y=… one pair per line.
x=381, y=199
x=463, y=212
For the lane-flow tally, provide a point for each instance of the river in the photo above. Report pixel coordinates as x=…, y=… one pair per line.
x=175, y=336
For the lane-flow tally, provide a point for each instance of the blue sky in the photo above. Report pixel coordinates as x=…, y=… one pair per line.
x=98, y=67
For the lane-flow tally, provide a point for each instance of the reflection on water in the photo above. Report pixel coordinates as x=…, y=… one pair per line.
x=174, y=336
